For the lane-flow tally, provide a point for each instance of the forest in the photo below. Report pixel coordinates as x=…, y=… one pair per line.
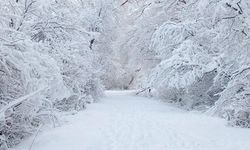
x=58, y=56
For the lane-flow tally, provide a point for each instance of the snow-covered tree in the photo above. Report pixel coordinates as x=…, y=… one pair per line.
x=49, y=62
x=203, y=51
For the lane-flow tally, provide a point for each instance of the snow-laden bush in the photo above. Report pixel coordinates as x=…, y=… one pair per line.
x=30, y=83
x=234, y=103
x=232, y=82
x=185, y=76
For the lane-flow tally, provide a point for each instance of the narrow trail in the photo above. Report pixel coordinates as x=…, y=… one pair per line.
x=121, y=121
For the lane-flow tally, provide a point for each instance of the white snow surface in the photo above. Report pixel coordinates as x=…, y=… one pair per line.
x=121, y=121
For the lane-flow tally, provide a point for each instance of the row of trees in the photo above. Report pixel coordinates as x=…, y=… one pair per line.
x=50, y=61
x=197, y=53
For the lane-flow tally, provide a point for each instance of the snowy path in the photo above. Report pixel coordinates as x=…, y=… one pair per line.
x=125, y=122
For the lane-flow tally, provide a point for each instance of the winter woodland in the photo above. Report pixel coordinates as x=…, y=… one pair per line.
x=57, y=56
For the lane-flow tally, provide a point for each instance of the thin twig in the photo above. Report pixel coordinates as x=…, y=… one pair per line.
x=33, y=141
x=124, y=3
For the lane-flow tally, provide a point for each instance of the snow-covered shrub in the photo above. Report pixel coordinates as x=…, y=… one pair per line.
x=234, y=103
x=232, y=82
x=188, y=73
x=30, y=83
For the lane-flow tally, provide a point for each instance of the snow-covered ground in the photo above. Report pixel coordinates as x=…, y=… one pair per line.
x=121, y=121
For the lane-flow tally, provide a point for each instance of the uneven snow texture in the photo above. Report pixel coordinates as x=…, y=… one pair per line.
x=121, y=121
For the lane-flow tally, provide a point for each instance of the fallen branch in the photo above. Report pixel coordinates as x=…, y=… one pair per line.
x=137, y=93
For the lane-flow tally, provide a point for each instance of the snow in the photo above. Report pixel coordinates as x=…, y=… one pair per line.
x=122, y=121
